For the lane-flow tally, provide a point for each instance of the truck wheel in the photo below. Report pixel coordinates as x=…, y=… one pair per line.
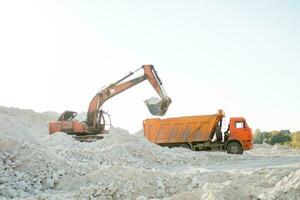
x=234, y=148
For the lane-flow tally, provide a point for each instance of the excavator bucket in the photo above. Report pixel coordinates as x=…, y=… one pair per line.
x=156, y=106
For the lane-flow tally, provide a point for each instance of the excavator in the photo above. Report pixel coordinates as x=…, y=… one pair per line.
x=98, y=122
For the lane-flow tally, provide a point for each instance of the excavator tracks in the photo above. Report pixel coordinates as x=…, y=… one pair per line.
x=88, y=138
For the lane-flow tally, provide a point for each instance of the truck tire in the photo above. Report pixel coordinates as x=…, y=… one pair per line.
x=234, y=148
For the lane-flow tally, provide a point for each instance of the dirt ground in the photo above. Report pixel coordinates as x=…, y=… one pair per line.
x=34, y=165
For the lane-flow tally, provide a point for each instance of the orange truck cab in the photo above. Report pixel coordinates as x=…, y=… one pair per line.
x=240, y=132
x=201, y=132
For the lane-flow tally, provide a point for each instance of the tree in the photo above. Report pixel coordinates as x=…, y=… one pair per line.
x=272, y=137
x=257, y=137
x=296, y=139
x=261, y=137
x=280, y=137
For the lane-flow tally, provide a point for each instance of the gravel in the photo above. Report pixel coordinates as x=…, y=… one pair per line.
x=35, y=165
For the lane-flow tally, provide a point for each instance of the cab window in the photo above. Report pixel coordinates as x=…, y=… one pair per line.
x=240, y=125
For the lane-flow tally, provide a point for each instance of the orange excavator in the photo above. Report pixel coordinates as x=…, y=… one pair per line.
x=98, y=121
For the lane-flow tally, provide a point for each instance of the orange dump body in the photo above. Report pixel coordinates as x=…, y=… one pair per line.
x=182, y=129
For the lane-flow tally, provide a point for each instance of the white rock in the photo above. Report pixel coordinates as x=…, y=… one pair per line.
x=50, y=182
x=61, y=172
x=124, y=166
x=141, y=198
x=11, y=192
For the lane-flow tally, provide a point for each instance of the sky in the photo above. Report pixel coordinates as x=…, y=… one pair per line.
x=239, y=56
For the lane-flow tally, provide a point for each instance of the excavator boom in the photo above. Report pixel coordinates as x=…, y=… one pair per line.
x=150, y=74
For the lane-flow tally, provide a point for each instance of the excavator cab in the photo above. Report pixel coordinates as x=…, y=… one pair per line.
x=67, y=116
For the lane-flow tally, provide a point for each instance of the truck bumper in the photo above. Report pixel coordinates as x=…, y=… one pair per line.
x=247, y=144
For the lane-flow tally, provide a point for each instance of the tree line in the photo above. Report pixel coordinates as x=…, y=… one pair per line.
x=284, y=137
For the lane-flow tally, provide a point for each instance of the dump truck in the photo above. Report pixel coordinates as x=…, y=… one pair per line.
x=201, y=132
x=98, y=121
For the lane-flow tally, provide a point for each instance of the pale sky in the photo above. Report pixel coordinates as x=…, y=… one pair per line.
x=241, y=56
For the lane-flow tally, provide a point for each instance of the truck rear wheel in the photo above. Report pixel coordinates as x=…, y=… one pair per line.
x=234, y=148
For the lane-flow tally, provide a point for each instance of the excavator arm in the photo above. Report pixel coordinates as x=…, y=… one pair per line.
x=94, y=111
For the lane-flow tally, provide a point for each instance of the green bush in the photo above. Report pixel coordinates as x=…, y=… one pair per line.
x=280, y=137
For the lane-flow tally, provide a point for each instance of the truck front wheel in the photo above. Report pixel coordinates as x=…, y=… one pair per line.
x=234, y=148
